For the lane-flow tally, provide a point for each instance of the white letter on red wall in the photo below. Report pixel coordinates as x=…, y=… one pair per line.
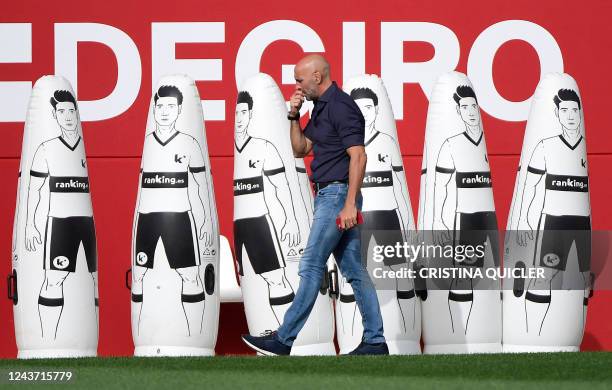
x=165, y=36
x=353, y=49
x=129, y=71
x=480, y=64
x=395, y=72
x=15, y=47
x=252, y=47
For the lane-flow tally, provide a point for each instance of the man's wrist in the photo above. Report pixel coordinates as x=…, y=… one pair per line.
x=293, y=117
x=349, y=202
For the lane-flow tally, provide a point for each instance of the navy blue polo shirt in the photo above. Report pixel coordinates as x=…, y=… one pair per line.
x=336, y=124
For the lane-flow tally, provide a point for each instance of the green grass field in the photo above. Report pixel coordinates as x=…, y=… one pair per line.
x=591, y=370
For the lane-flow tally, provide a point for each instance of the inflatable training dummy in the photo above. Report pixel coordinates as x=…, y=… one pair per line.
x=54, y=282
x=462, y=309
x=549, y=228
x=271, y=218
x=175, y=241
x=388, y=220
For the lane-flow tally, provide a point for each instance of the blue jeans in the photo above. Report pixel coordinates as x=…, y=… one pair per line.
x=325, y=239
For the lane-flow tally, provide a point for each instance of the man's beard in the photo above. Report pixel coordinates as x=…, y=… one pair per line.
x=308, y=96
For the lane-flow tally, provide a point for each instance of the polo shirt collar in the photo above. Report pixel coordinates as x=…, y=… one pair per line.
x=328, y=93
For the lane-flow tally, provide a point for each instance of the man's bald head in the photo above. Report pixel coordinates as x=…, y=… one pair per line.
x=315, y=63
x=312, y=75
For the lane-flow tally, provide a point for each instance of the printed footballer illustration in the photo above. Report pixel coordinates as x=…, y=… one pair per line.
x=420, y=284
x=60, y=164
x=472, y=221
x=423, y=189
x=174, y=208
x=259, y=171
x=385, y=212
x=563, y=218
x=305, y=188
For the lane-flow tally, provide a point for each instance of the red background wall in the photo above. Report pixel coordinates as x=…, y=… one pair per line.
x=582, y=31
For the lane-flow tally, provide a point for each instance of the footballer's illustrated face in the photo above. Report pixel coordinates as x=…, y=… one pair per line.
x=66, y=115
x=569, y=114
x=469, y=111
x=166, y=110
x=368, y=110
x=243, y=117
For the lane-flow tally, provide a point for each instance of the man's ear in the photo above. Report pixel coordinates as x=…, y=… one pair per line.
x=180, y=108
x=557, y=112
x=376, y=110
x=458, y=111
x=250, y=114
x=318, y=77
x=54, y=113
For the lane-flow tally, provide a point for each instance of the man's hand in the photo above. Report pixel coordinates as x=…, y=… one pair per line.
x=206, y=232
x=348, y=217
x=524, y=234
x=441, y=233
x=32, y=237
x=410, y=235
x=296, y=100
x=291, y=230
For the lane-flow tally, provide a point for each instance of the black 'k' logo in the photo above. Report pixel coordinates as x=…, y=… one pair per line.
x=83, y=162
x=252, y=163
x=179, y=159
x=583, y=162
x=382, y=158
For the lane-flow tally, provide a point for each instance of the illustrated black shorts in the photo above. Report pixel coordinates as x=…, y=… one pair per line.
x=259, y=238
x=473, y=229
x=558, y=235
x=178, y=234
x=385, y=227
x=62, y=239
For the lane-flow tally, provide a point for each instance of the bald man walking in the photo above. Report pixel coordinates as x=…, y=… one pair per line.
x=335, y=134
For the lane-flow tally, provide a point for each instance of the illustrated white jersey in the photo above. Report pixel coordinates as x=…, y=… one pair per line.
x=165, y=172
x=253, y=160
x=384, y=159
x=566, y=175
x=467, y=161
x=65, y=167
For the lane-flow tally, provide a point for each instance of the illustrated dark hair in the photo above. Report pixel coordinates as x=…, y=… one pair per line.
x=364, y=93
x=62, y=96
x=566, y=95
x=245, y=97
x=464, y=91
x=169, y=91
